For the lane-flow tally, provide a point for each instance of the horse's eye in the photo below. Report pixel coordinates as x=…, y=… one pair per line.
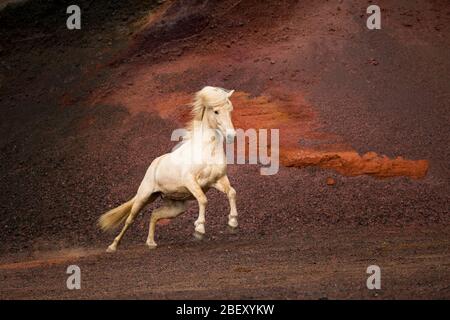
x=216, y=112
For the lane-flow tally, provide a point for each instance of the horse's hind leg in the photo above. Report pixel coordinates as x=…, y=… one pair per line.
x=139, y=203
x=170, y=209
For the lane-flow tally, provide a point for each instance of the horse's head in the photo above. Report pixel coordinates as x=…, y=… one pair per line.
x=216, y=109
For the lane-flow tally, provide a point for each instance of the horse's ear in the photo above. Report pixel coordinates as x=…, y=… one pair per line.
x=230, y=93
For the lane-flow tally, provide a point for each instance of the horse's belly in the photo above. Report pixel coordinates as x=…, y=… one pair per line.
x=181, y=196
x=182, y=193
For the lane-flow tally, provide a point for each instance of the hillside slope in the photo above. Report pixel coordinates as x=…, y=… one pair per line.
x=84, y=113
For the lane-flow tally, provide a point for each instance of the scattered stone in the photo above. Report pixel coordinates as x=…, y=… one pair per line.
x=370, y=155
x=373, y=62
x=163, y=222
x=331, y=181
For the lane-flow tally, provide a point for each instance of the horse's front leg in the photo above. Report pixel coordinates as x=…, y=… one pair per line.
x=223, y=185
x=200, y=196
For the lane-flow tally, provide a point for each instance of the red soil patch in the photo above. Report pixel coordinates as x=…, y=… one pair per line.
x=350, y=163
x=295, y=119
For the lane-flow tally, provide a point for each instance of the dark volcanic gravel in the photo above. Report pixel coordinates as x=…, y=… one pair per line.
x=65, y=159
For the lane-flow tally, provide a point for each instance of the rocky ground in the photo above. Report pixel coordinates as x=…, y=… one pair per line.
x=84, y=112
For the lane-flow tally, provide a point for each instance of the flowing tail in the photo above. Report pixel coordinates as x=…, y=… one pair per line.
x=114, y=217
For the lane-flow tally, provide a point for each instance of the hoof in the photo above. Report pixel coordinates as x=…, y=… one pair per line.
x=151, y=245
x=200, y=228
x=233, y=223
x=198, y=236
x=111, y=249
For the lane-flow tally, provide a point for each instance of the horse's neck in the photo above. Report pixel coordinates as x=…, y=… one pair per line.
x=207, y=138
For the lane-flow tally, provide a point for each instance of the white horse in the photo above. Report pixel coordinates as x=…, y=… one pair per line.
x=186, y=173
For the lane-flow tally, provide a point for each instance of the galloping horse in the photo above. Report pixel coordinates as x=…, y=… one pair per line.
x=186, y=173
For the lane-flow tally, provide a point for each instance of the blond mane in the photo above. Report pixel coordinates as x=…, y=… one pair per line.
x=208, y=97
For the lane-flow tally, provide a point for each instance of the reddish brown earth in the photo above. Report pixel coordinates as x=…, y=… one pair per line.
x=86, y=111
